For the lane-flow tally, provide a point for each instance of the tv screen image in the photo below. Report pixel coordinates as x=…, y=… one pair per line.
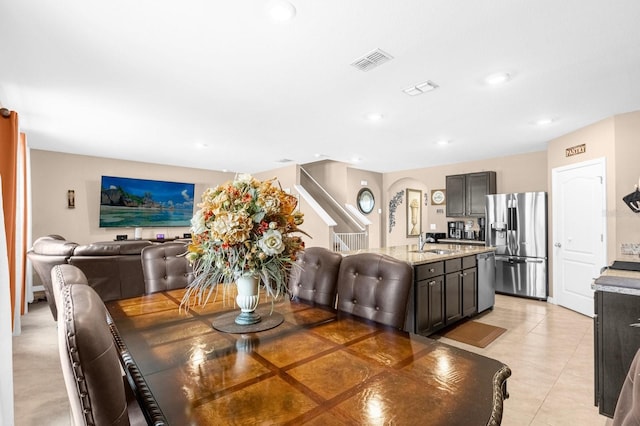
x=128, y=202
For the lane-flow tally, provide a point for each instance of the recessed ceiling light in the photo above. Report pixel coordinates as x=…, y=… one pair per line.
x=281, y=10
x=443, y=142
x=544, y=121
x=374, y=116
x=497, y=78
x=420, y=88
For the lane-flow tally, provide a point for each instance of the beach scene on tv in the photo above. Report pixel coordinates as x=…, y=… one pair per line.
x=128, y=202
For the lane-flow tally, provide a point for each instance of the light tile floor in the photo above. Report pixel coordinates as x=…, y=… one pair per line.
x=548, y=348
x=550, y=352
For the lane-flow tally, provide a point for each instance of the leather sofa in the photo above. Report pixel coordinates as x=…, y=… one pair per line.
x=113, y=268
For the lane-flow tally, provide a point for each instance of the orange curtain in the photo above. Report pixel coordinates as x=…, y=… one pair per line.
x=23, y=194
x=9, y=142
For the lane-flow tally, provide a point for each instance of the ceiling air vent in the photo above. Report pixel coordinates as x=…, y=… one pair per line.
x=372, y=60
x=284, y=160
x=420, y=88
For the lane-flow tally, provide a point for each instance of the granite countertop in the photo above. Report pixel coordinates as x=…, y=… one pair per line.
x=618, y=281
x=461, y=241
x=406, y=254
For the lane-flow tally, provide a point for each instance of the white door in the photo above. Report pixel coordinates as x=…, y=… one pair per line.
x=579, y=233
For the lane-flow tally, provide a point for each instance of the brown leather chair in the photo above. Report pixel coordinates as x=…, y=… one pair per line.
x=47, y=252
x=315, y=276
x=91, y=368
x=62, y=276
x=165, y=267
x=112, y=267
x=376, y=287
x=627, y=411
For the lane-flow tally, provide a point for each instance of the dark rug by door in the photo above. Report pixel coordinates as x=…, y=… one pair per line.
x=473, y=333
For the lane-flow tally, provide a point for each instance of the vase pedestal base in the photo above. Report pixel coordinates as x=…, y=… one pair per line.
x=227, y=322
x=248, y=318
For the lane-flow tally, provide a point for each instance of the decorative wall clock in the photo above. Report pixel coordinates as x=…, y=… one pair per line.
x=437, y=196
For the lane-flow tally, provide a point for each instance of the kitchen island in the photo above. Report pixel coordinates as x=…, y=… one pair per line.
x=617, y=330
x=445, y=283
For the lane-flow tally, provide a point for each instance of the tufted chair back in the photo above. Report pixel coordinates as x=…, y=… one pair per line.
x=89, y=360
x=165, y=268
x=65, y=275
x=47, y=252
x=376, y=287
x=315, y=277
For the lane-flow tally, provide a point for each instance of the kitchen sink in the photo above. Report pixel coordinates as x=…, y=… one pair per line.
x=436, y=251
x=440, y=251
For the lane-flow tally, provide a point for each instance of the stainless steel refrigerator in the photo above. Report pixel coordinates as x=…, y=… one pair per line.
x=517, y=228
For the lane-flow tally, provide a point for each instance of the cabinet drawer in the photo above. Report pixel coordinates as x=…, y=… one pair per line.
x=468, y=262
x=453, y=265
x=429, y=270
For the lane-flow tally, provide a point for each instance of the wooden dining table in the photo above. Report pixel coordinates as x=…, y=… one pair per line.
x=318, y=367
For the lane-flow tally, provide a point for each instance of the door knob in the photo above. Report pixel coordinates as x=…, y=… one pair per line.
x=558, y=245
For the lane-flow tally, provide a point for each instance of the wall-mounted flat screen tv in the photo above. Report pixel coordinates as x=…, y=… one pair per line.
x=127, y=202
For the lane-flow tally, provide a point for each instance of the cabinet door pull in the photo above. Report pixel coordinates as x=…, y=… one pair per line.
x=432, y=283
x=432, y=269
x=637, y=325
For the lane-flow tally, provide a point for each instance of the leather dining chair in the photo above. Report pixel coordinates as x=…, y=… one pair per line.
x=47, y=252
x=165, y=267
x=314, y=278
x=97, y=390
x=65, y=275
x=376, y=287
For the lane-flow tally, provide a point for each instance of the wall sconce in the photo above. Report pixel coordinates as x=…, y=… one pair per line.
x=71, y=199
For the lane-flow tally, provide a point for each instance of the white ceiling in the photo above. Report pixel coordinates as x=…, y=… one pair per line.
x=154, y=80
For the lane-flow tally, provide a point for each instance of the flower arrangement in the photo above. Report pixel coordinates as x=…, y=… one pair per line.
x=243, y=228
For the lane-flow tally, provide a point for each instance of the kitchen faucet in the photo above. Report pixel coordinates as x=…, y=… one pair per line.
x=421, y=242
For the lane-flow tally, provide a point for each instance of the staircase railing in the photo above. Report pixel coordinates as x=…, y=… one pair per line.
x=350, y=241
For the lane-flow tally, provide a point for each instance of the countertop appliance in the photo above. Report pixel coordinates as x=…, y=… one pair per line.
x=455, y=229
x=486, y=281
x=433, y=237
x=517, y=228
x=481, y=229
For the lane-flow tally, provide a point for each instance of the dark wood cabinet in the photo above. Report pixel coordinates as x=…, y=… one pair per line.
x=429, y=302
x=453, y=290
x=443, y=293
x=617, y=339
x=453, y=298
x=469, y=291
x=430, y=305
x=466, y=193
x=456, y=193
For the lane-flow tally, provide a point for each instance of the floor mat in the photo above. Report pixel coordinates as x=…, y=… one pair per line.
x=473, y=333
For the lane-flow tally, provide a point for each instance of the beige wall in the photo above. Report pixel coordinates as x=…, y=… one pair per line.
x=600, y=143
x=516, y=173
x=615, y=139
x=316, y=232
x=356, y=179
x=627, y=175
x=54, y=173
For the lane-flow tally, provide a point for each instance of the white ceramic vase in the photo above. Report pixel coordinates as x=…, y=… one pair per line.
x=247, y=299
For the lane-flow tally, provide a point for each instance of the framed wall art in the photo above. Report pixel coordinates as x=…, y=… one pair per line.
x=414, y=212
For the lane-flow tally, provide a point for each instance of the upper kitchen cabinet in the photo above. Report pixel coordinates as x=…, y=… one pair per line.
x=466, y=193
